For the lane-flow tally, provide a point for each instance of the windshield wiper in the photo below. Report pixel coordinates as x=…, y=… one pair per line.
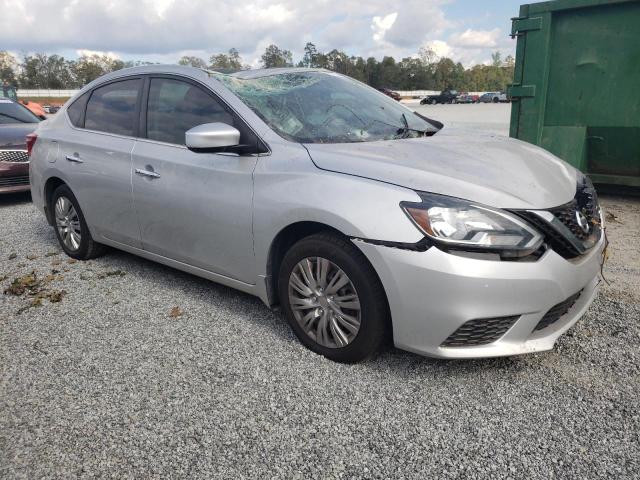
x=404, y=131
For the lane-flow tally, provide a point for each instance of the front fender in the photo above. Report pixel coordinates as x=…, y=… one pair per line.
x=288, y=191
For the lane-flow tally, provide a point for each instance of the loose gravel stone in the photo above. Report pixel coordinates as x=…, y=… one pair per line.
x=141, y=371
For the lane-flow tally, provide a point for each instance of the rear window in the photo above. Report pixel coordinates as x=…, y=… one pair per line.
x=11, y=112
x=112, y=108
x=76, y=110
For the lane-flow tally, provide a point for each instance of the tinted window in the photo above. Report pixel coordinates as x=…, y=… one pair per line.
x=76, y=110
x=176, y=106
x=11, y=112
x=112, y=108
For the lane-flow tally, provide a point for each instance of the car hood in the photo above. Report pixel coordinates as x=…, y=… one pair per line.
x=13, y=134
x=484, y=168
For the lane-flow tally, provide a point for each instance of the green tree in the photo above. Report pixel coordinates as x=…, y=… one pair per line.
x=8, y=68
x=310, y=54
x=192, y=62
x=44, y=71
x=227, y=61
x=274, y=57
x=496, y=59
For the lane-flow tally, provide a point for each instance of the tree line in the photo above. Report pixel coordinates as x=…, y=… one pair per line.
x=425, y=71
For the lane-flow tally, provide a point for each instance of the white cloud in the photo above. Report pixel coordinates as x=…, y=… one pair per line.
x=162, y=30
x=380, y=25
x=475, y=38
x=88, y=53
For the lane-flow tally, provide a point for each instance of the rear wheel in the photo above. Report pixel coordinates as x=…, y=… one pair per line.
x=70, y=226
x=333, y=298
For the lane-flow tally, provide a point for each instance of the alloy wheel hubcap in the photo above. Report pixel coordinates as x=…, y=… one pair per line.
x=68, y=223
x=324, y=302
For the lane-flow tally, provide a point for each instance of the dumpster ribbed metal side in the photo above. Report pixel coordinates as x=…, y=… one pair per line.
x=576, y=89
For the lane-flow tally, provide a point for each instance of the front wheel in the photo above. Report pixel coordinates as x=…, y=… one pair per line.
x=333, y=298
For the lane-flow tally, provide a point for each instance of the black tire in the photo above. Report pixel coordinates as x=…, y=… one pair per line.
x=496, y=100
x=433, y=101
x=374, y=326
x=88, y=248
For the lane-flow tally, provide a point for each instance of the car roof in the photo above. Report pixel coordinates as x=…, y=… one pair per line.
x=244, y=74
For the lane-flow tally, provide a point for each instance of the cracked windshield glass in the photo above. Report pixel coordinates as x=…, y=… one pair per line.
x=322, y=107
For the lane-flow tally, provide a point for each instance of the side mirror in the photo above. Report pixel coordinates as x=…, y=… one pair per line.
x=212, y=137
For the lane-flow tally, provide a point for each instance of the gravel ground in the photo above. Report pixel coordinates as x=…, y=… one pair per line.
x=129, y=369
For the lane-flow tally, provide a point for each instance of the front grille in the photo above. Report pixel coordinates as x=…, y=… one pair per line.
x=481, y=331
x=14, y=156
x=14, y=181
x=586, y=202
x=554, y=239
x=557, y=312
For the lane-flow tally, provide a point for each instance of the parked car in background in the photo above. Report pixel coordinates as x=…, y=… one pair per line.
x=466, y=98
x=390, y=93
x=494, y=97
x=446, y=96
x=54, y=108
x=363, y=221
x=16, y=122
x=9, y=92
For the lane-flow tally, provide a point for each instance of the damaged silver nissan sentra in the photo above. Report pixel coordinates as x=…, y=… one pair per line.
x=363, y=220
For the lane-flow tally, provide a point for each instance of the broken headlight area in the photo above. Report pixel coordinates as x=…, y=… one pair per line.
x=471, y=229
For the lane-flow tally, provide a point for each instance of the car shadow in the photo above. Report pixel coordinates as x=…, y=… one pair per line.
x=12, y=199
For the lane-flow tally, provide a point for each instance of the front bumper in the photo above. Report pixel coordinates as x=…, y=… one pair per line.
x=431, y=294
x=14, y=177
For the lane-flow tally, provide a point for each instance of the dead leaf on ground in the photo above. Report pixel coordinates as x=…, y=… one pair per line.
x=175, y=312
x=13, y=255
x=51, y=254
x=31, y=256
x=55, y=296
x=26, y=283
x=72, y=260
x=112, y=273
x=612, y=218
x=55, y=262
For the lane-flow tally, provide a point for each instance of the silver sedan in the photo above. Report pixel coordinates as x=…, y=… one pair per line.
x=364, y=221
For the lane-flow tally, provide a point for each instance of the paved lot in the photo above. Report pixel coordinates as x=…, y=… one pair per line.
x=113, y=381
x=492, y=117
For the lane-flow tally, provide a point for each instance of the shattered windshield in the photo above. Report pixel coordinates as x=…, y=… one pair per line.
x=323, y=107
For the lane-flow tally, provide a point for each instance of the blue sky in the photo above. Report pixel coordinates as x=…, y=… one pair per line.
x=163, y=30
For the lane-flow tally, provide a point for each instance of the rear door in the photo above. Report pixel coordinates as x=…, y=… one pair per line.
x=95, y=155
x=195, y=208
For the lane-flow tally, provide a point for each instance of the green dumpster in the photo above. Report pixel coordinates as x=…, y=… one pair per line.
x=576, y=89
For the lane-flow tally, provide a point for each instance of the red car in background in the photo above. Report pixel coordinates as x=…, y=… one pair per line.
x=466, y=98
x=390, y=93
x=16, y=123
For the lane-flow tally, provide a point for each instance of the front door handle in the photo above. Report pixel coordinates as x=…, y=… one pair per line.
x=75, y=158
x=147, y=173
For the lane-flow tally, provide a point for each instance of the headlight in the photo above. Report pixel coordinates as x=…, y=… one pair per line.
x=459, y=224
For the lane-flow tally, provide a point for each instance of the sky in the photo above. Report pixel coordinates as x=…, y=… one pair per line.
x=164, y=30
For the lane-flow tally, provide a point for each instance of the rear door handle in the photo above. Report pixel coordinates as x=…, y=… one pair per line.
x=147, y=173
x=75, y=158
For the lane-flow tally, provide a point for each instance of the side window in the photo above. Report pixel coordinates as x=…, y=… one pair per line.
x=175, y=106
x=76, y=110
x=112, y=108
